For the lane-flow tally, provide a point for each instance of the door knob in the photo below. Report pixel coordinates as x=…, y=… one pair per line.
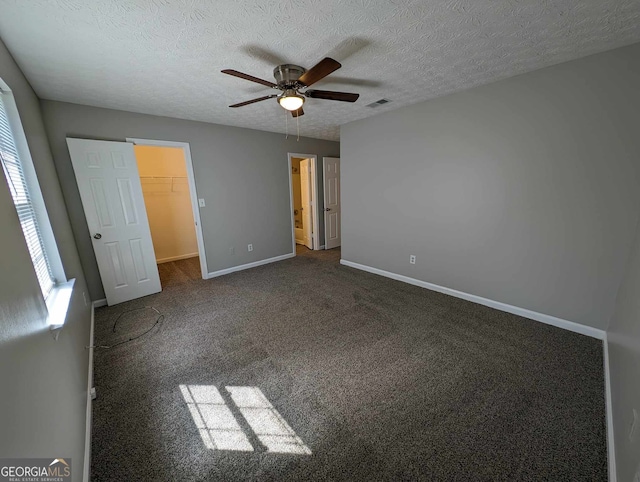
x=327, y=209
x=97, y=235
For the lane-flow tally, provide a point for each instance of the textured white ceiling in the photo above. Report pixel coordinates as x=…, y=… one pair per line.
x=164, y=57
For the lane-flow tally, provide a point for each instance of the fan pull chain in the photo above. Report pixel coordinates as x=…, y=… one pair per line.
x=298, y=127
x=286, y=125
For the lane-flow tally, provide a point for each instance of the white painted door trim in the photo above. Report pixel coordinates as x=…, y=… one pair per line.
x=314, y=199
x=307, y=203
x=186, y=148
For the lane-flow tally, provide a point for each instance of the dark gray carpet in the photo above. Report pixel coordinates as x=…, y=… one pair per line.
x=381, y=380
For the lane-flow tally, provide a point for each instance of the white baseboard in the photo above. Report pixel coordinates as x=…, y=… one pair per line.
x=241, y=267
x=299, y=241
x=321, y=247
x=611, y=453
x=532, y=315
x=176, y=258
x=99, y=303
x=89, y=418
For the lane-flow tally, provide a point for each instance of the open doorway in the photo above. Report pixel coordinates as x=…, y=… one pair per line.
x=303, y=193
x=165, y=188
x=168, y=188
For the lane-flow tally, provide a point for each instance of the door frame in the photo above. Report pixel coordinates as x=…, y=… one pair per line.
x=313, y=158
x=193, y=194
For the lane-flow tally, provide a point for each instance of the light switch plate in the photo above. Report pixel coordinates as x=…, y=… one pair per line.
x=201, y=203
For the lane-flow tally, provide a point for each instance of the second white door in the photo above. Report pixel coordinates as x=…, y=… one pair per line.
x=332, y=218
x=111, y=194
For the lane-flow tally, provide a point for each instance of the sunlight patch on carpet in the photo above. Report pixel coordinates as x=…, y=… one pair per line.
x=272, y=430
x=220, y=430
x=214, y=420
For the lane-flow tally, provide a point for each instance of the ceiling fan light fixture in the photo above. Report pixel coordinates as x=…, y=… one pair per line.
x=291, y=100
x=289, y=79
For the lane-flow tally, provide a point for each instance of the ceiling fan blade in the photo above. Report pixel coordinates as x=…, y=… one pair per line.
x=259, y=99
x=331, y=95
x=319, y=71
x=297, y=113
x=235, y=73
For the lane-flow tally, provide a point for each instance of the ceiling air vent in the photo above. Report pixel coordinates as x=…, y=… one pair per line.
x=378, y=103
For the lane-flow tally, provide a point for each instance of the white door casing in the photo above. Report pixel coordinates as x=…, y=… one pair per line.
x=315, y=205
x=109, y=185
x=193, y=193
x=331, y=179
x=305, y=189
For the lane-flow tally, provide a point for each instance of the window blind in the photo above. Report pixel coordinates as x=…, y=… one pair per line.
x=20, y=193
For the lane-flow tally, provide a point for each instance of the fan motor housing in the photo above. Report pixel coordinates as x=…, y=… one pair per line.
x=287, y=75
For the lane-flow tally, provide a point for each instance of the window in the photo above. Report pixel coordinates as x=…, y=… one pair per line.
x=22, y=182
x=17, y=182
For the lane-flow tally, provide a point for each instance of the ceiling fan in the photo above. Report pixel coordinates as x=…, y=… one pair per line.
x=294, y=81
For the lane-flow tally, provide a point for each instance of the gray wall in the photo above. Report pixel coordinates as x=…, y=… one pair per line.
x=241, y=173
x=624, y=361
x=525, y=191
x=44, y=382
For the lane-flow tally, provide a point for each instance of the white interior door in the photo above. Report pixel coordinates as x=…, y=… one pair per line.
x=331, y=179
x=109, y=185
x=305, y=189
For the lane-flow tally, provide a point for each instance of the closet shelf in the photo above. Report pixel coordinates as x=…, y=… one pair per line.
x=163, y=177
x=160, y=184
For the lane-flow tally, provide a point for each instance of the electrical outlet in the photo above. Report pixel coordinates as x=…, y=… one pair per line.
x=635, y=426
x=84, y=296
x=249, y=247
x=232, y=250
x=201, y=203
x=412, y=259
